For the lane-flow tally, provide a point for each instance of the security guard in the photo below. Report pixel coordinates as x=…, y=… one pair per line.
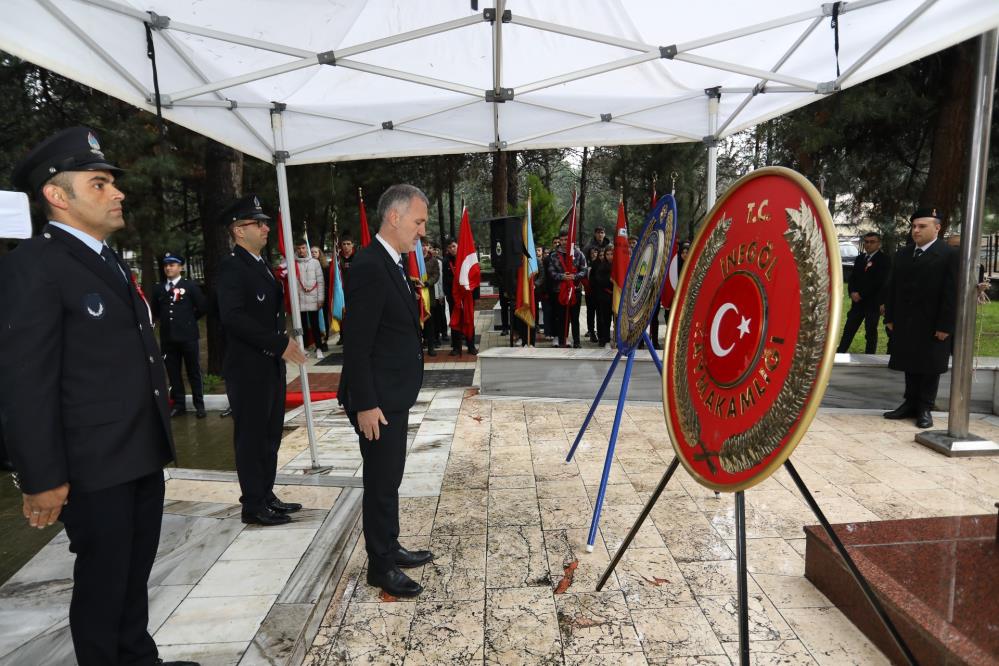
x=83, y=396
x=251, y=306
x=178, y=303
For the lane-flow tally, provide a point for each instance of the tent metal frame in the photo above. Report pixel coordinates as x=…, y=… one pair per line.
x=303, y=59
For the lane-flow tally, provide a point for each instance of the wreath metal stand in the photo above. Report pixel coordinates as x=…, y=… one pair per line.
x=661, y=219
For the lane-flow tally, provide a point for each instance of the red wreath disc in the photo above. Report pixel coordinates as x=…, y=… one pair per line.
x=752, y=341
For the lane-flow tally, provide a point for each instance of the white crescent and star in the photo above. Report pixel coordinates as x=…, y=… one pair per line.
x=743, y=327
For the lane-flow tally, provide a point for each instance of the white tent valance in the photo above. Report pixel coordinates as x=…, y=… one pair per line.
x=382, y=78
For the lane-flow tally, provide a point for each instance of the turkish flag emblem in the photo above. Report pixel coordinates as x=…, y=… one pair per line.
x=736, y=328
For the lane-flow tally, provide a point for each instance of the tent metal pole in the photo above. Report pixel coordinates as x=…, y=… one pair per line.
x=289, y=257
x=957, y=440
x=182, y=54
x=95, y=47
x=412, y=78
x=250, y=77
x=409, y=36
x=497, y=65
x=881, y=43
x=712, y=140
x=748, y=71
x=630, y=61
x=780, y=63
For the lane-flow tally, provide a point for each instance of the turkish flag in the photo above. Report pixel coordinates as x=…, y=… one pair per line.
x=622, y=255
x=466, y=280
x=736, y=328
x=365, y=232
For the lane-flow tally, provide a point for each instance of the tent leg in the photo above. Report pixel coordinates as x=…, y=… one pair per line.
x=714, y=95
x=957, y=440
x=289, y=257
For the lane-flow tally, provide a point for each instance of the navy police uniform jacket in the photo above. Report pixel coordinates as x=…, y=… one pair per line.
x=251, y=307
x=179, y=310
x=83, y=390
x=922, y=299
x=384, y=366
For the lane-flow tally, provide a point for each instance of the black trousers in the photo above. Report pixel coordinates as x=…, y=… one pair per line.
x=114, y=533
x=187, y=352
x=310, y=322
x=439, y=319
x=384, y=464
x=528, y=336
x=560, y=312
x=591, y=313
x=604, y=314
x=258, y=419
x=457, y=336
x=921, y=389
x=855, y=315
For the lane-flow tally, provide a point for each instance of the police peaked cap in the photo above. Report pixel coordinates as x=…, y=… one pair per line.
x=247, y=208
x=171, y=258
x=73, y=149
x=926, y=211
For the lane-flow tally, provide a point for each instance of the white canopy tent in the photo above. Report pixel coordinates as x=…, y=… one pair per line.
x=382, y=78
x=309, y=81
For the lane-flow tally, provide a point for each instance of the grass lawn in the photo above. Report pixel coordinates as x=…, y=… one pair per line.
x=986, y=331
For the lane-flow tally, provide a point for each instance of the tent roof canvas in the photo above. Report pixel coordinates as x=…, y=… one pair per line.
x=382, y=78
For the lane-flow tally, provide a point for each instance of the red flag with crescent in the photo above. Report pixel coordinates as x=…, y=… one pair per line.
x=466, y=280
x=568, y=290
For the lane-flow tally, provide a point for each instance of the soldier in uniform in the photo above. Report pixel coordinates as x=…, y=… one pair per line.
x=920, y=312
x=251, y=307
x=178, y=303
x=83, y=396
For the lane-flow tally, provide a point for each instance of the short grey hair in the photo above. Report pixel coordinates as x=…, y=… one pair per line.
x=398, y=197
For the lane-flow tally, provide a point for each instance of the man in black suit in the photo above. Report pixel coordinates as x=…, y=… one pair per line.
x=83, y=396
x=382, y=375
x=866, y=288
x=251, y=307
x=178, y=303
x=920, y=310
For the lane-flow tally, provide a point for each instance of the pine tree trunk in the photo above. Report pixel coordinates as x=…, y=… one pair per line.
x=499, y=183
x=223, y=183
x=948, y=163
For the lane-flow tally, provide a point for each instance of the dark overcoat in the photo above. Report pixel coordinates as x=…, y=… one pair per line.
x=83, y=390
x=921, y=298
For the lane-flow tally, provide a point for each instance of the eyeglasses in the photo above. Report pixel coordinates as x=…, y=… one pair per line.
x=258, y=223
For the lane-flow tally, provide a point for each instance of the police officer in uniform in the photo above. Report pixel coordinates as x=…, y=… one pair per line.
x=251, y=307
x=920, y=312
x=83, y=396
x=178, y=303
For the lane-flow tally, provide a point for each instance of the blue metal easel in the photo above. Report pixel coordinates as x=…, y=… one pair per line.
x=662, y=218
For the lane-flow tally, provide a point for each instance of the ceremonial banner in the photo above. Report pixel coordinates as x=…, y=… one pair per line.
x=646, y=273
x=753, y=331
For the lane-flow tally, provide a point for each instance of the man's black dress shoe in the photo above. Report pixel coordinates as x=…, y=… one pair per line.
x=431, y=351
x=201, y=413
x=454, y=352
x=905, y=410
x=412, y=558
x=395, y=583
x=924, y=419
x=283, y=507
x=265, y=516
x=177, y=411
x=473, y=351
x=160, y=662
x=225, y=412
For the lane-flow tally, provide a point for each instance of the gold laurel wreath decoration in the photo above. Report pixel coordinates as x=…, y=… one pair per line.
x=690, y=425
x=748, y=448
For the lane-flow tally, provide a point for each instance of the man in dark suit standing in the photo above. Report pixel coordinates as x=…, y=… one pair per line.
x=920, y=310
x=866, y=288
x=83, y=396
x=251, y=307
x=178, y=303
x=382, y=375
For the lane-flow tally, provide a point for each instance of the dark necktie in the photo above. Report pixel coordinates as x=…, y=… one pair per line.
x=107, y=254
x=170, y=285
x=402, y=272
x=917, y=253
